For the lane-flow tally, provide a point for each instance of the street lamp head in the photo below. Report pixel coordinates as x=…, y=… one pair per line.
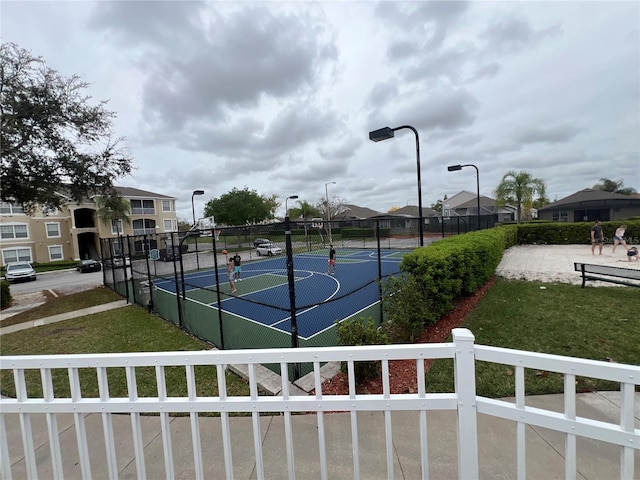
x=198, y=192
x=453, y=168
x=381, y=134
x=292, y=197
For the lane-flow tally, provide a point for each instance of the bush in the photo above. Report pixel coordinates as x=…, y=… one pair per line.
x=5, y=294
x=405, y=308
x=361, y=332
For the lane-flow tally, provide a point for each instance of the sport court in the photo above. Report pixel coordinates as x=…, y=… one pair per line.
x=320, y=299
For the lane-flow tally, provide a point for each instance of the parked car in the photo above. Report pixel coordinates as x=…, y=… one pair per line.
x=268, y=249
x=19, y=271
x=117, y=262
x=89, y=265
x=259, y=241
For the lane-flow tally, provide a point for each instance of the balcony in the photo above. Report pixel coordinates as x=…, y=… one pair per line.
x=142, y=211
x=144, y=231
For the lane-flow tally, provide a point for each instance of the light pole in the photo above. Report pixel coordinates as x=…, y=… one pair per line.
x=286, y=208
x=290, y=279
x=326, y=198
x=386, y=133
x=193, y=211
x=453, y=168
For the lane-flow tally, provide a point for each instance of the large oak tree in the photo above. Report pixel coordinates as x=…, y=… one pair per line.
x=54, y=139
x=241, y=207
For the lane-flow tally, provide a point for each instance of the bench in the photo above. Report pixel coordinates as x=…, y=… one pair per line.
x=606, y=273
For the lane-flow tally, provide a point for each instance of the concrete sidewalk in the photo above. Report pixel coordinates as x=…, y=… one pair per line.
x=496, y=444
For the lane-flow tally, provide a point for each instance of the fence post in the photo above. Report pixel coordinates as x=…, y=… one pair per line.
x=465, y=385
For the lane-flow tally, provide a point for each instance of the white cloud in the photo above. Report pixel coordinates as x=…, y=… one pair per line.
x=280, y=96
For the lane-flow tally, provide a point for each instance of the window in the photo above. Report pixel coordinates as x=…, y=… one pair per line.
x=168, y=225
x=16, y=255
x=116, y=227
x=560, y=216
x=166, y=206
x=141, y=207
x=53, y=230
x=8, y=208
x=55, y=252
x=13, y=231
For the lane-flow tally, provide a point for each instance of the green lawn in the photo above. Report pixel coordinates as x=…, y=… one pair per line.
x=594, y=323
x=128, y=329
x=66, y=303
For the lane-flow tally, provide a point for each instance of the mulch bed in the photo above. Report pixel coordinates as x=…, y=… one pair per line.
x=403, y=373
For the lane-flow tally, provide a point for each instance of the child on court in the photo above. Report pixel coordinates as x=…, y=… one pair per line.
x=237, y=269
x=632, y=253
x=231, y=275
x=331, y=270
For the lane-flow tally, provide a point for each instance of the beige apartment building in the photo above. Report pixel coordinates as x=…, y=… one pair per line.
x=73, y=232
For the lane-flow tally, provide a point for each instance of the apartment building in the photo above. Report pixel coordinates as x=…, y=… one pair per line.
x=73, y=231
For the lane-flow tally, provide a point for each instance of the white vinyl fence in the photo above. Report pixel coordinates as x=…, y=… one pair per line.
x=105, y=436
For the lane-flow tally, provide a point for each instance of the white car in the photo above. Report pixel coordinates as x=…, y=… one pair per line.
x=18, y=271
x=268, y=249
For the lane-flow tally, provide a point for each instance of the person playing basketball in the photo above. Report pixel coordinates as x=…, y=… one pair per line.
x=331, y=270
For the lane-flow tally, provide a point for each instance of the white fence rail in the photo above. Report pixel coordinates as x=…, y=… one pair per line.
x=75, y=444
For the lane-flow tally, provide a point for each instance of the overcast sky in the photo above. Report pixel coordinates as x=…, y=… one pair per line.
x=279, y=97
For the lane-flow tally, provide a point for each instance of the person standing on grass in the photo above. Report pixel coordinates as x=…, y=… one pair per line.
x=237, y=269
x=596, y=237
x=618, y=237
x=331, y=270
x=231, y=274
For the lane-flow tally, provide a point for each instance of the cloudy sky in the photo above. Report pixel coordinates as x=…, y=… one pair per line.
x=279, y=97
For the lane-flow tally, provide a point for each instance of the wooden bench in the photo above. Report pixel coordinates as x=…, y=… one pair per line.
x=606, y=273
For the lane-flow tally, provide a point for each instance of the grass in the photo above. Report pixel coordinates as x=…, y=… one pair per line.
x=64, y=304
x=128, y=329
x=592, y=323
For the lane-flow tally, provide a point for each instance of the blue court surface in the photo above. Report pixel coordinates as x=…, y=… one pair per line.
x=321, y=299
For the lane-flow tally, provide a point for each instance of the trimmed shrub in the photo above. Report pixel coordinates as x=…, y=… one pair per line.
x=5, y=294
x=361, y=331
x=405, y=308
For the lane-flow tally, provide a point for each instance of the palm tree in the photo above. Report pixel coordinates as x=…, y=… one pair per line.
x=519, y=188
x=306, y=211
x=114, y=208
x=612, y=186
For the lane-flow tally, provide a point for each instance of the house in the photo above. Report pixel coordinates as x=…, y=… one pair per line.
x=72, y=232
x=354, y=212
x=506, y=213
x=589, y=205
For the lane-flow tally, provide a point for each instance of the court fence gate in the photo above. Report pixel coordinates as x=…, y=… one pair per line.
x=135, y=436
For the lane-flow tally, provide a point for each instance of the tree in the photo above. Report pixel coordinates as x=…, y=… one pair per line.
x=438, y=205
x=52, y=139
x=393, y=209
x=519, y=189
x=239, y=207
x=305, y=211
x=336, y=206
x=113, y=208
x=614, y=187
